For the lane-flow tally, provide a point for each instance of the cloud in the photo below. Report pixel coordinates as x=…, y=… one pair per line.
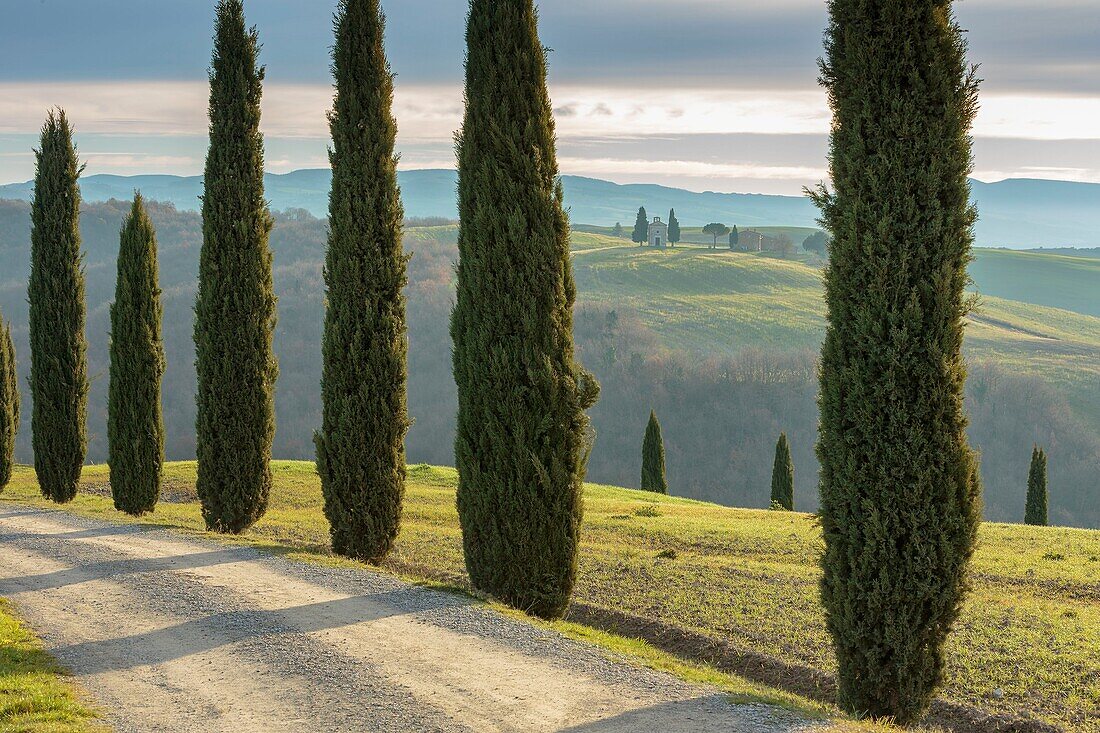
x=1047, y=47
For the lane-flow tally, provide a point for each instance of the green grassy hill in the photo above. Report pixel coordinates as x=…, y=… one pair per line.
x=1038, y=314
x=746, y=577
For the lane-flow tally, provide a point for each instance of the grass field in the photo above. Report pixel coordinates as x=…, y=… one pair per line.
x=1029, y=628
x=35, y=697
x=1038, y=314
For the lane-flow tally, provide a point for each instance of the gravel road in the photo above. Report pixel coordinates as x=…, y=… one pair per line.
x=170, y=633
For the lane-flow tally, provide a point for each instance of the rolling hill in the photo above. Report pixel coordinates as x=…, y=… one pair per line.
x=721, y=344
x=1016, y=213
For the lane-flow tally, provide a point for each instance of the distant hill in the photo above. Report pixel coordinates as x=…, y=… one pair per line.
x=1016, y=213
x=722, y=345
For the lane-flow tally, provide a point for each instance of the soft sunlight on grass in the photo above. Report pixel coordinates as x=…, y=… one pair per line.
x=34, y=695
x=710, y=302
x=748, y=576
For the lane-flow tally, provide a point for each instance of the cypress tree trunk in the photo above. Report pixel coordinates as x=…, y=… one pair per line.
x=653, y=458
x=522, y=433
x=59, y=359
x=900, y=489
x=783, y=475
x=1035, y=512
x=360, y=447
x=235, y=308
x=9, y=403
x=135, y=428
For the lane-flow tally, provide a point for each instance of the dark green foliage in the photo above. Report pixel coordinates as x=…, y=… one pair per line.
x=653, y=457
x=735, y=237
x=59, y=352
x=818, y=242
x=900, y=487
x=522, y=435
x=361, y=444
x=1035, y=513
x=617, y=230
x=135, y=428
x=9, y=403
x=783, y=475
x=716, y=230
x=673, y=227
x=235, y=307
x=641, y=227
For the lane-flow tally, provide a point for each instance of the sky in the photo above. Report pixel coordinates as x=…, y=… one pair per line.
x=707, y=95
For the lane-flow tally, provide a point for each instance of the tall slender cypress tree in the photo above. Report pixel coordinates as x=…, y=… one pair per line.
x=653, y=457
x=135, y=427
x=522, y=435
x=235, y=308
x=900, y=489
x=640, y=235
x=59, y=352
x=1035, y=512
x=361, y=444
x=783, y=475
x=673, y=227
x=9, y=403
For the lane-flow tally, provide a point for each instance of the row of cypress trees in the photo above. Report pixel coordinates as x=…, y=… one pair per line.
x=892, y=422
x=59, y=381
x=523, y=437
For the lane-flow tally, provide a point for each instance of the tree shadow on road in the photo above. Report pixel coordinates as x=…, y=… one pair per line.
x=225, y=628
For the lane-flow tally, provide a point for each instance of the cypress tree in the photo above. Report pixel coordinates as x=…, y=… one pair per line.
x=9, y=403
x=522, y=435
x=900, y=487
x=735, y=237
x=59, y=358
x=653, y=457
x=361, y=444
x=783, y=475
x=235, y=307
x=641, y=228
x=135, y=428
x=1035, y=513
x=673, y=227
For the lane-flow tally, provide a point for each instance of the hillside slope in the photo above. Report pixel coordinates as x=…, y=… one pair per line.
x=722, y=345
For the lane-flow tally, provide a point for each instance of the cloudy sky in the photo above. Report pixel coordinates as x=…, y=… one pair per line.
x=702, y=94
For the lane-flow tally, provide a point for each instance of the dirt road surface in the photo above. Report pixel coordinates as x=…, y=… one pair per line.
x=170, y=633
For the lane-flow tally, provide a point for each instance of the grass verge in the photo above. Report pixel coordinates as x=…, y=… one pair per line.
x=35, y=697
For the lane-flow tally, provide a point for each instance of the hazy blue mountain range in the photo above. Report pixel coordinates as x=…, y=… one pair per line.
x=1017, y=213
